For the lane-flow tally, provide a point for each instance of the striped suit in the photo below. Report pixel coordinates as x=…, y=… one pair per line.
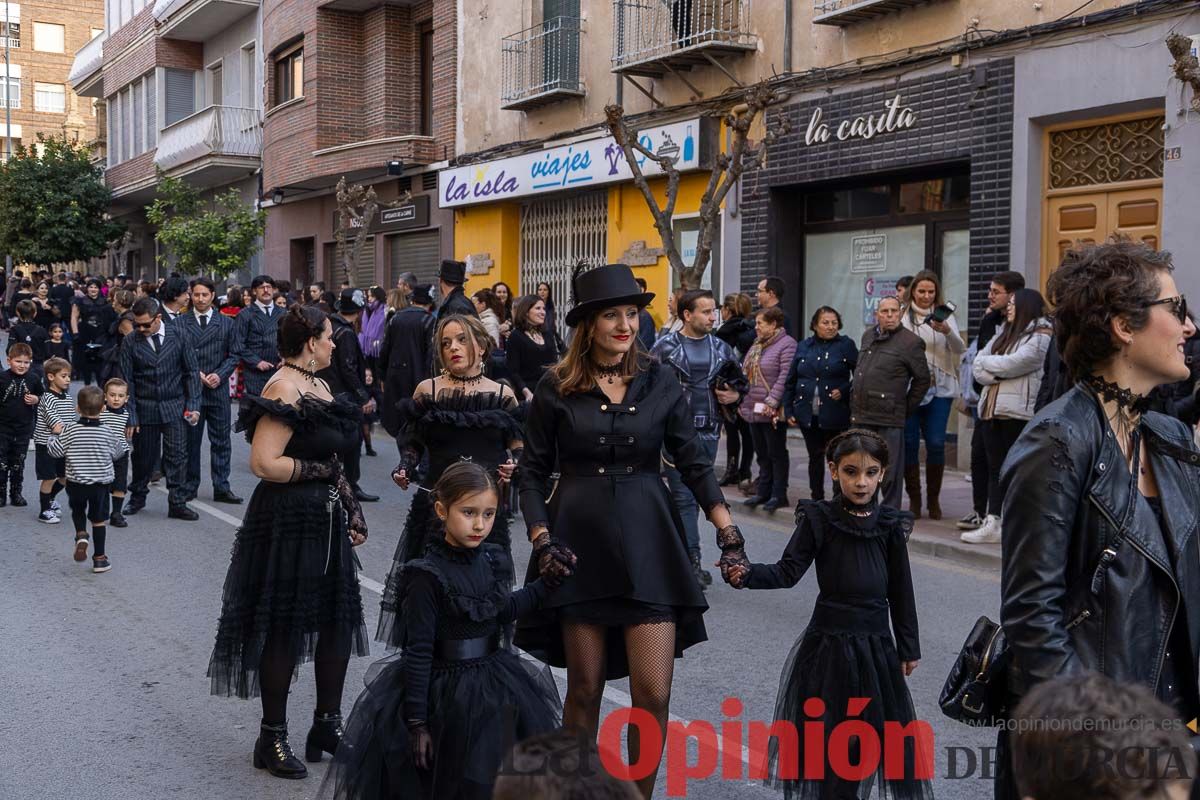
x=256, y=338
x=163, y=386
x=214, y=346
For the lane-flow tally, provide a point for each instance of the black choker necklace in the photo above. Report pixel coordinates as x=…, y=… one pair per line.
x=1125, y=399
x=610, y=372
x=312, y=376
x=466, y=380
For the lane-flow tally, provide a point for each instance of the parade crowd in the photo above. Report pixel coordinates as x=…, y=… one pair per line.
x=497, y=409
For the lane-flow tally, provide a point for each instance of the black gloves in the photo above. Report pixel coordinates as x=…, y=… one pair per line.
x=356, y=523
x=420, y=744
x=305, y=470
x=555, y=561
x=733, y=551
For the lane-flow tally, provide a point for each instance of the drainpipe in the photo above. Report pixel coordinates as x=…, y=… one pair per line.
x=787, y=36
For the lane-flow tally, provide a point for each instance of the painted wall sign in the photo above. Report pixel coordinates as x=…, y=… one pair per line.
x=868, y=253
x=580, y=164
x=893, y=117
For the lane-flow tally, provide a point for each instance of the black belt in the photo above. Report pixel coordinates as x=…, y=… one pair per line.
x=465, y=649
x=604, y=470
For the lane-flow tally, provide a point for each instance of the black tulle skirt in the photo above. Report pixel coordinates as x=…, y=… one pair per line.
x=292, y=578
x=420, y=525
x=837, y=666
x=477, y=710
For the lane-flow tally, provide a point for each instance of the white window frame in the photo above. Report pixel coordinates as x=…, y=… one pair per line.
x=214, y=98
x=250, y=76
x=40, y=89
x=16, y=95
x=39, y=40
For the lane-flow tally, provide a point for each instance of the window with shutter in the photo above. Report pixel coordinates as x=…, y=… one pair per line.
x=49, y=38
x=151, y=113
x=139, y=111
x=179, y=95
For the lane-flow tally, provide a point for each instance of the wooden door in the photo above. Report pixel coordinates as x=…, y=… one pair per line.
x=1093, y=217
x=1137, y=213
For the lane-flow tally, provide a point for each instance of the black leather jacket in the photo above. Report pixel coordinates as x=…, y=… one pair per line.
x=1083, y=586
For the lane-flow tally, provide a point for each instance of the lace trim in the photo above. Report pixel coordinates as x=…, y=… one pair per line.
x=476, y=608
x=304, y=417
x=882, y=521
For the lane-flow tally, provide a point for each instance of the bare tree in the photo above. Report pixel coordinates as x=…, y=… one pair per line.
x=728, y=167
x=1186, y=66
x=357, y=208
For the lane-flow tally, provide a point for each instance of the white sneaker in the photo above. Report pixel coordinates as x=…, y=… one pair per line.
x=55, y=507
x=49, y=518
x=970, y=522
x=988, y=533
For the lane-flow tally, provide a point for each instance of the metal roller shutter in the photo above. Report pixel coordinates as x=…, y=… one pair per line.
x=415, y=252
x=554, y=235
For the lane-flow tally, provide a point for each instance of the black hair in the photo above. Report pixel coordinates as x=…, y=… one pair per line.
x=173, y=287
x=146, y=307
x=259, y=280
x=904, y=282
x=206, y=283
x=687, y=301
x=775, y=286
x=298, y=325
x=462, y=479
x=816, y=317
x=857, y=440
x=54, y=325
x=1029, y=308
x=1011, y=281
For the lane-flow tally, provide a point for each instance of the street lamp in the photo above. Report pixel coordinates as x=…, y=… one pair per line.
x=277, y=196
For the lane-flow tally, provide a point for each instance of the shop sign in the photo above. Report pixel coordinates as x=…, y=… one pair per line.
x=577, y=165
x=413, y=214
x=874, y=290
x=892, y=118
x=868, y=253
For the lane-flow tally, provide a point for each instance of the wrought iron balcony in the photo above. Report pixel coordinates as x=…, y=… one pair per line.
x=848, y=12
x=541, y=64
x=212, y=146
x=651, y=37
x=86, y=67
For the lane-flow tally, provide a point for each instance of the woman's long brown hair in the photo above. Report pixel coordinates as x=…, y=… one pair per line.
x=576, y=371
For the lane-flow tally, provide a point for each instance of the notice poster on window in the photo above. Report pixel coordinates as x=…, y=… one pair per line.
x=874, y=290
x=868, y=253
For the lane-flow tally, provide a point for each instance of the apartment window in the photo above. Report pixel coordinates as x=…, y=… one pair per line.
x=216, y=87
x=11, y=28
x=426, y=77
x=179, y=95
x=151, y=112
x=50, y=97
x=139, y=115
x=249, y=84
x=14, y=93
x=289, y=75
x=132, y=126
x=49, y=38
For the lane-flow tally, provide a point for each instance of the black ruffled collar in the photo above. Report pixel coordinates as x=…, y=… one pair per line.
x=856, y=523
x=448, y=552
x=882, y=520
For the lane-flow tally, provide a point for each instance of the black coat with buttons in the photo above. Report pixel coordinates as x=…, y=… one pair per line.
x=818, y=367
x=611, y=505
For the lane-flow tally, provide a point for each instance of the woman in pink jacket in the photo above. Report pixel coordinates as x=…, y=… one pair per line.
x=766, y=366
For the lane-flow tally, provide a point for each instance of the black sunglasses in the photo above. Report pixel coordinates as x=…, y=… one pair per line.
x=1178, y=307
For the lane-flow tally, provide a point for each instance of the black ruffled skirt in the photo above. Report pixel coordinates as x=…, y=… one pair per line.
x=421, y=525
x=292, y=578
x=836, y=666
x=477, y=710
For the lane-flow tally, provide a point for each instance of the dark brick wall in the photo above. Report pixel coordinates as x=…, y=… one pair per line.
x=957, y=121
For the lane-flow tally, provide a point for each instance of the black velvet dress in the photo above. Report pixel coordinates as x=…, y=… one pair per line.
x=848, y=651
x=612, y=508
x=453, y=426
x=293, y=574
x=476, y=695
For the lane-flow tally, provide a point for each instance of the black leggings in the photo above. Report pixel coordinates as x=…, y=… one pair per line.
x=770, y=447
x=999, y=435
x=278, y=664
x=739, y=447
x=815, y=440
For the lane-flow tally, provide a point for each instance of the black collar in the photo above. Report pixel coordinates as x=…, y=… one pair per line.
x=90, y=422
x=457, y=555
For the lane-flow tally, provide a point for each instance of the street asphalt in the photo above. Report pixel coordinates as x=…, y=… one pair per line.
x=107, y=697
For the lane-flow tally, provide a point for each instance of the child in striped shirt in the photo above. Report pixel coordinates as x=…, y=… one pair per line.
x=54, y=411
x=89, y=449
x=116, y=416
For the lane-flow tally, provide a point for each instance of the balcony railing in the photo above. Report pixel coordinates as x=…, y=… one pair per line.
x=217, y=131
x=541, y=64
x=650, y=36
x=848, y=12
x=88, y=59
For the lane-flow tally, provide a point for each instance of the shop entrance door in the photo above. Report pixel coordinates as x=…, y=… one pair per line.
x=555, y=235
x=1092, y=217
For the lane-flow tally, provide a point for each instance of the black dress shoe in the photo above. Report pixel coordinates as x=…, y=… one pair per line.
x=182, y=512
x=226, y=497
x=135, y=505
x=371, y=451
x=323, y=737
x=774, y=504
x=363, y=497
x=754, y=502
x=117, y=520
x=273, y=753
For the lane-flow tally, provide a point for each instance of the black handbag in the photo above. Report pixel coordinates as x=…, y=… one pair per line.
x=975, y=689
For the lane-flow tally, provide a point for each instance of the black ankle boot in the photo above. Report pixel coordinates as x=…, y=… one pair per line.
x=15, y=497
x=730, y=478
x=323, y=737
x=273, y=753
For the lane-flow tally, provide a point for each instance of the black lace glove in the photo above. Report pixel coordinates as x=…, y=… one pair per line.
x=421, y=744
x=307, y=470
x=733, y=552
x=555, y=561
x=356, y=523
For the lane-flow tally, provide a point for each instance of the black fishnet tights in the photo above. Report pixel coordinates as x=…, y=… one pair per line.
x=650, y=650
x=277, y=666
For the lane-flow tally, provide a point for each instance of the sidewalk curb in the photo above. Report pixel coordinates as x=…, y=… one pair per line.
x=962, y=553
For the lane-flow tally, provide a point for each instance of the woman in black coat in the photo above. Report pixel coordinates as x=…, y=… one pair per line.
x=530, y=348
x=550, y=326
x=406, y=356
x=604, y=416
x=737, y=331
x=817, y=397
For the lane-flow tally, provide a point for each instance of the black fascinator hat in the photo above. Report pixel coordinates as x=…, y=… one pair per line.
x=603, y=287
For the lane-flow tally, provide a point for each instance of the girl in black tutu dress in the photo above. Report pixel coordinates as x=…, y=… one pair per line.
x=291, y=594
x=459, y=415
x=847, y=651
x=435, y=720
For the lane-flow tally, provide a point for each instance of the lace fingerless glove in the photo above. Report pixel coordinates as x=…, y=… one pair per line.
x=733, y=549
x=306, y=470
x=355, y=521
x=555, y=561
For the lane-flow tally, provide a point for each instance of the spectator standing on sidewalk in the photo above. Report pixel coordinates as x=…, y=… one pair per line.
x=1000, y=291
x=737, y=331
x=889, y=381
x=646, y=333
x=817, y=397
x=770, y=295
x=766, y=367
x=944, y=347
x=712, y=379
x=1010, y=369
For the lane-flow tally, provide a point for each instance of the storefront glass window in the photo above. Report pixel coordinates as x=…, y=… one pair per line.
x=844, y=204
x=687, y=235
x=956, y=262
x=853, y=271
x=943, y=194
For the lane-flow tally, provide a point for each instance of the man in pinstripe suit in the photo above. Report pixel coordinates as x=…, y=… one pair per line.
x=256, y=335
x=210, y=336
x=164, y=394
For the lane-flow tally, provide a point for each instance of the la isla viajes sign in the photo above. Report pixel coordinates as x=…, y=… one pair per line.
x=579, y=164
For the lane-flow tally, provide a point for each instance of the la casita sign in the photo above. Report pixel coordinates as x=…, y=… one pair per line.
x=892, y=118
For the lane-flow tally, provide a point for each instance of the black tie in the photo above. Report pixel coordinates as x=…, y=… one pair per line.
x=204, y=321
x=154, y=342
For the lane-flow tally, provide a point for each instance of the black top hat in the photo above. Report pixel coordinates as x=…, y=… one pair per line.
x=603, y=287
x=421, y=296
x=453, y=272
x=351, y=300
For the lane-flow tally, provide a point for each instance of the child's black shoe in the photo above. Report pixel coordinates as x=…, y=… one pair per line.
x=117, y=520
x=16, y=498
x=101, y=564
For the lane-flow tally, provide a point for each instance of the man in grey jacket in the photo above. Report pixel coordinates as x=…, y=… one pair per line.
x=889, y=383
